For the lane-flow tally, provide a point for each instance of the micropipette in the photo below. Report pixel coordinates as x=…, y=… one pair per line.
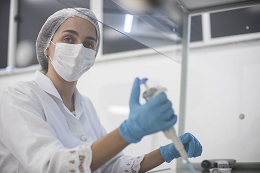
x=171, y=133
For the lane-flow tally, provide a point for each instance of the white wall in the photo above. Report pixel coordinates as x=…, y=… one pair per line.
x=224, y=82
x=109, y=83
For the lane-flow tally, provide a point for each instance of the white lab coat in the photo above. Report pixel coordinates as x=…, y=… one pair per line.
x=38, y=134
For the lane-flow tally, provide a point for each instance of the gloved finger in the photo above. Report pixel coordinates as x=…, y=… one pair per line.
x=191, y=149
x=169, y=123
x=189, y=143
x=168, y=114
x=198, y=148
x=135, y=94
x=159, y=99
x=166, y=106
x=162, y=108
x=197, y=152
x=185, y=138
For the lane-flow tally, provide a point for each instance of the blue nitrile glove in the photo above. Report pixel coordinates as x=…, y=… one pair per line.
x=154, y=116
x=190, y=143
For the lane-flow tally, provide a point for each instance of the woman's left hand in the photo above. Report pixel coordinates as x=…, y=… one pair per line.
x=190, y=143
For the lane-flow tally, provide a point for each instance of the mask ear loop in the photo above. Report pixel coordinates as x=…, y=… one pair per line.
x=49, y=55
x=53, y=43
x=50, y=58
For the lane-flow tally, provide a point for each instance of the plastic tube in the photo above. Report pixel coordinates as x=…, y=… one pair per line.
x=171, y=134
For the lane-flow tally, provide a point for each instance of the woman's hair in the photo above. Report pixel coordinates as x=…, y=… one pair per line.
x=53, y=23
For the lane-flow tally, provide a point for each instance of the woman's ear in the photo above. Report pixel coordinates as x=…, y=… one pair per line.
x=47, y=52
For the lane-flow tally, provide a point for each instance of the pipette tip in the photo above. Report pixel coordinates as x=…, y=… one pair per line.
x=191, y=166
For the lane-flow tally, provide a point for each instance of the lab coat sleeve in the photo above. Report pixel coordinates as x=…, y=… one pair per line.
x=121, y=162
x=32, y=141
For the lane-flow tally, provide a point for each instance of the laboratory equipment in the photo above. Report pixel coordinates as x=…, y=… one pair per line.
x=220, y=170
x=218, y=163
x=171, y=133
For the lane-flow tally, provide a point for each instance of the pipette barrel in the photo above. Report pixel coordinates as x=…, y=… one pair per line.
x=171, y=134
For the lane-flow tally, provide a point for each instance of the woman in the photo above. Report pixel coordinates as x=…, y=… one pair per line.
x=46, y=125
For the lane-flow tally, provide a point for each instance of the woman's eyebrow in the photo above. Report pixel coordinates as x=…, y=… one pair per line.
x=72, y=32
x=77, y=34
x=91, y=38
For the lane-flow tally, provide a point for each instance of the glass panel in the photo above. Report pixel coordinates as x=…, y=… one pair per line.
x=114, y=41
x=223, y=96
x=4, y=20
x=223, y=91
x=151, y=29
x=160, y=24
x=29, y=25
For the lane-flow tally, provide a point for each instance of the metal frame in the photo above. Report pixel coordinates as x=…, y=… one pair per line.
x=184, y=73
x=12, y=35
x=96, y=6
x=219, y=8
x=184, y=70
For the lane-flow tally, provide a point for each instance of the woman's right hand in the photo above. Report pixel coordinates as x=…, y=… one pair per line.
x=154, y=116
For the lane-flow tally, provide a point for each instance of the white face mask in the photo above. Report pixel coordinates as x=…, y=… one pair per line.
x=71, y=61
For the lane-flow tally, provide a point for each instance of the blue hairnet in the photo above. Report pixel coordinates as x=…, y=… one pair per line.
x=53, y=23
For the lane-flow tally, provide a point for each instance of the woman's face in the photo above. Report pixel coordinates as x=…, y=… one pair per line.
x=74, y=30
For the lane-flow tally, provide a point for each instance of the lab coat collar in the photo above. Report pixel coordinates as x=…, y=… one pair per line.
x=78, y=100
x=46, y=84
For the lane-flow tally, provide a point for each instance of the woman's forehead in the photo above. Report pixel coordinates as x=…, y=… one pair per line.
x=80, y=25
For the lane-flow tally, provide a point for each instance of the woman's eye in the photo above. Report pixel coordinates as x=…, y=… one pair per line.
x=89, y=45
x=68, y=40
